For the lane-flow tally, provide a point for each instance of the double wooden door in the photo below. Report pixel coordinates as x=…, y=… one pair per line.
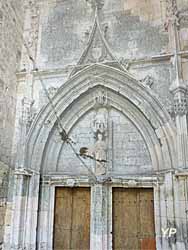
x=132, y=214
x=133, y=219
x=72, y=219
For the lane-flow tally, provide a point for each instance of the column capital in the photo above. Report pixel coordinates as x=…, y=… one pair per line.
x=180, y=106
x=180, y=93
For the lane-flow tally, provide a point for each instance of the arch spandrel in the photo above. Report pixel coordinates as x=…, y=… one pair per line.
x=127, y=95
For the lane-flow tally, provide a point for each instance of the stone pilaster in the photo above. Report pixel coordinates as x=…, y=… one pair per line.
x=32, y=213
x=18, y=213
x=178, y=87
x=181, y=207
x=24, y=118
x=46, y=217
x=22, y=233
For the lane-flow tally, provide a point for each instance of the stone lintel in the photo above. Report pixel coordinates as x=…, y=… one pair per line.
x=70, y=181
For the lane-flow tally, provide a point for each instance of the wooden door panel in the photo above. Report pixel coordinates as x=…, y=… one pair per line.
x=81, y=220
x=62, y=222
x=121, y=201
x=133, y=219
x=72, y=219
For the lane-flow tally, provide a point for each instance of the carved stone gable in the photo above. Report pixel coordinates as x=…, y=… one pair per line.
x=97, y=49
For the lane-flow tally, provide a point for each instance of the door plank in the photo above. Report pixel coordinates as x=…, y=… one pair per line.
x=81, y=219
x=124, y=210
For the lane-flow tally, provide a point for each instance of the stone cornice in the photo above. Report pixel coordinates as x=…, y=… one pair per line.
x=182, y=173
x=166, y=57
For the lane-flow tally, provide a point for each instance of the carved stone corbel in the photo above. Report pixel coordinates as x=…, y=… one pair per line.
x=148, y=81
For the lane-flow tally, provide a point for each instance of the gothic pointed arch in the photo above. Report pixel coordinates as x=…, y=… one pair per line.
x=125, y=94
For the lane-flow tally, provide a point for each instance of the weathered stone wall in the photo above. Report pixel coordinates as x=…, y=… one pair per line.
x=135, y=32
x=11, y=21
x=57, y=33
x=141, y=35
x=10, y=55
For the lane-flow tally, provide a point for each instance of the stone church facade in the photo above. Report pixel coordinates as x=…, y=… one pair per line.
x=93, y=124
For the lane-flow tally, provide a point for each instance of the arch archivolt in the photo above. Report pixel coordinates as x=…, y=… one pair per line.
x=126, y=95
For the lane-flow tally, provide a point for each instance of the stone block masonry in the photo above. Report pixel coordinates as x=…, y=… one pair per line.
x=11, y=20
x=10, y=54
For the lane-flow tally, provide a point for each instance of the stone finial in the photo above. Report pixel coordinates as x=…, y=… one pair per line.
x=172, y=15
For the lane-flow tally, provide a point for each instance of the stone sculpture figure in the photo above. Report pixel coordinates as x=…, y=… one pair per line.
x=99, y=126
x=99, y=152
x=99, y=122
